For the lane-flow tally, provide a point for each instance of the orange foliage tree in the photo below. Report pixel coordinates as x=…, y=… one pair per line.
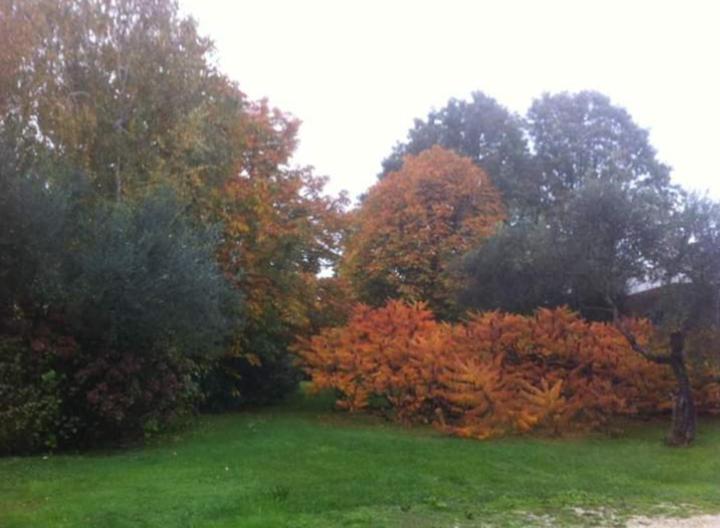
x=414, y=224
x=279, y=231
x=494, y=374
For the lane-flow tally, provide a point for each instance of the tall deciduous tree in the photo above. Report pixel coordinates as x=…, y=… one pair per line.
x=604, y=203
x=116, y=88
x=610, y=219
x=582, y=137
x=281, y=230
x=127, y=92
x=415, y=223
x=485, y=132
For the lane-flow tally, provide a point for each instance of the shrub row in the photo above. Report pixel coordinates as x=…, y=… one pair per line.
x=492, y=375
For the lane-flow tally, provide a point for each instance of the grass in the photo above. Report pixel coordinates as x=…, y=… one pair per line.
x=302, y=465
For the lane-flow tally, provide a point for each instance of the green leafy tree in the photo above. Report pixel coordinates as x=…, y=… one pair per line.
x=593, y=249
x=516, y=270
x=605, y=199
x=150, y=309
x=118, y=89
x=110, y=310
x=686, y=265
x=485, y=132
x=32, y=222
x=582, y=137
x=144, y=274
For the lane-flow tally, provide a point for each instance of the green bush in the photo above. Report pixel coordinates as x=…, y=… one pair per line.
x=149, y=307
x=30, y=399
x=134, y=284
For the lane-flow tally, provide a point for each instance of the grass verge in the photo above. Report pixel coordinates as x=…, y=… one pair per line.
x=303, y=465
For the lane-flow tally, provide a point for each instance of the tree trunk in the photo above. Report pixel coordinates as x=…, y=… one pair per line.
x=682, y=432
x=118, y=181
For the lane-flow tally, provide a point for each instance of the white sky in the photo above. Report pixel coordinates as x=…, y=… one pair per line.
x=358, y=73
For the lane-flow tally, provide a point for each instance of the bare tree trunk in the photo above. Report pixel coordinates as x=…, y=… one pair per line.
x=684, y=419
x=118, y=182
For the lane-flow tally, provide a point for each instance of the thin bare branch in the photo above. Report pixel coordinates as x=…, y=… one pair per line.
x=630, y=337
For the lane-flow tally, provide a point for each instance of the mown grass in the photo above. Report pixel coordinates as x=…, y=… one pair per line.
x=302, y=465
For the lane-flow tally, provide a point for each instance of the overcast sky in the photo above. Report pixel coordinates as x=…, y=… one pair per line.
x=358, y=73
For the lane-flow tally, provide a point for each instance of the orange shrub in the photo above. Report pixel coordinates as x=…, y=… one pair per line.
x=492, y=375
x=560, y=373
x=380, y=352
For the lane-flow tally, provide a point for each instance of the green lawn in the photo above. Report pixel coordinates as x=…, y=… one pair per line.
x=302, y=465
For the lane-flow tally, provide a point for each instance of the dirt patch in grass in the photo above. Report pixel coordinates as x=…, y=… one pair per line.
x=697, y=521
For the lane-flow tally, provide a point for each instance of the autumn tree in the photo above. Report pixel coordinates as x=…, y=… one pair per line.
x=494, y=373
x=124, y=90
x=127, y=93
x=415, y=223
x=280, y=231
x=16, y=41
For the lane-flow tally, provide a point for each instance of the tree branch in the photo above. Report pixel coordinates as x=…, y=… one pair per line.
x=637, y=347
x=631, y=339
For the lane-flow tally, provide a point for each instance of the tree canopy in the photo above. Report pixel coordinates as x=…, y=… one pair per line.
x=160, y=251
x=484, y=131
x=415, y=223
x=180, y=173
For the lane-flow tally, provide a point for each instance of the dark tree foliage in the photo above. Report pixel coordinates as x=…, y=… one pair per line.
x=685, y=306
x=582, y=137
x=110, y=312
x=487, y=133
x=148, y=306
x=691, y=256
x=516, y=270
x=609, y=235
x=145, y=274
x=32, y=226
x=605, y=200
x=593, y=249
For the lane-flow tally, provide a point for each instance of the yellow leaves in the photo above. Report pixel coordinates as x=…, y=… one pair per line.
x=543, y=403
x=526, y=420
x=253, y=359
x=495, y=374
x=237, y=351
